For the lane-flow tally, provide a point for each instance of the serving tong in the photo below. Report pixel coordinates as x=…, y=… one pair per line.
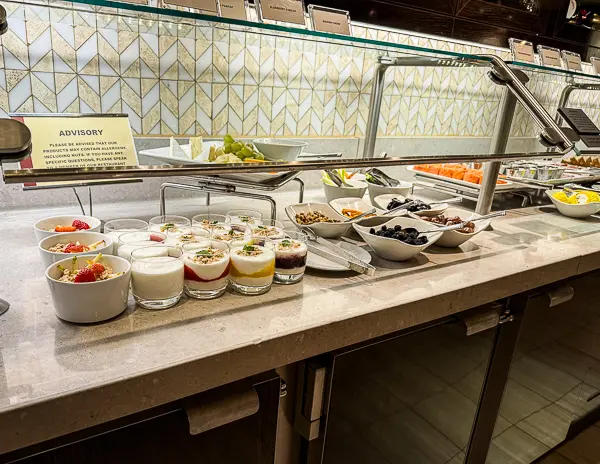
x=382, y=178
x=361, y=215
x=336, y=254
x=410, y=203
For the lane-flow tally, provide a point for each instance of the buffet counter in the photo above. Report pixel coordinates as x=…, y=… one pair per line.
x=57, y=378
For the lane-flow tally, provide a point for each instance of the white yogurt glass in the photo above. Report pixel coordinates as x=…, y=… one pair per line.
x=170, y=223
x=118, y=227
x=252, y=266
x=209, y=221
x=270, y=228
x=290, y=257
x=193, y=235
x=130, y=241
x=157, y=276
x=231, y=232
x=249, y=217
x=206, y=269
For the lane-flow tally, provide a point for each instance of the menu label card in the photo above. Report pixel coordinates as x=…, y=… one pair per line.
x=204, y=5
x=234, y=9
x=138, y=2
x=578, y=120
x=572, y=60
x=550, y=56
x=288, y=11
x=80, y=142
x=595, y=63
x=330, y=20
x=522, y=50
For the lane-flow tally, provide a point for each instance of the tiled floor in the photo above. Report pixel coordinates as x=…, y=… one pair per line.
x=413, y=399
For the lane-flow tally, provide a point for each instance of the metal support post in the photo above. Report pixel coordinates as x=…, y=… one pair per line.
x=504, y=120
x=301, y=190
x=205, y=189
x=375, y=107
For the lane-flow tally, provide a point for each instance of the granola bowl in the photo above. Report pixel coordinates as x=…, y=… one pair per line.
x=47, y=226
x=91, y=242
x=323, y=229
x=89, y=302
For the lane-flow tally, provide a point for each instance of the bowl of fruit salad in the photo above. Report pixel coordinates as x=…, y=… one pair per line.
x=87, y=289
x=61, y=224
x=399, y=239
x=60, y=246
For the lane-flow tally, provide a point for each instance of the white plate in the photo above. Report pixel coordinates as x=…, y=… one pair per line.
x=162, y=153
x=318, y=262
x=508, y=186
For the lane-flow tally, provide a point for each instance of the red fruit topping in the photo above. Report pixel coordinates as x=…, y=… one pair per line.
x=189, y=274
x=85, y=275
x=65, y=229
x=97, y=268
x=80, y=225
x=156, y=238
x=74, y=248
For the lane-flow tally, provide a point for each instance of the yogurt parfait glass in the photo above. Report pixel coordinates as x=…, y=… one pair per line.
x=131, y=241
x=118, y=227
x=231, y=232
x=157, y=276
x=252, y=265
x=249, y=217
x=209, y=221
x=206, y=269
x=290, y=257
x=269, y=228
x=193, y=235
x=170, y=223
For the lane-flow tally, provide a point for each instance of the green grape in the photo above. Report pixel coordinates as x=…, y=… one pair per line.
x=227, y=148
x=247, y=152
x=228, y=139
x=236, y=146
x=259, y=156
x=239, y=154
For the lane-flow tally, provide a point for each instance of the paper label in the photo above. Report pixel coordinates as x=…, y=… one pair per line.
x=76, y=142
x=523, y=51
x=573, y=62
x=331, y=21
x=204, y=5
x=138, y=2
x=233, y=9
x=550, y=57
x=289, y=11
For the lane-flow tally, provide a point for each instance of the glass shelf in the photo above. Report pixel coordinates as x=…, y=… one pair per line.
x=532, y=67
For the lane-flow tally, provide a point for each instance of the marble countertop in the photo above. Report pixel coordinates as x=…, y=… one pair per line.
x=56, y=378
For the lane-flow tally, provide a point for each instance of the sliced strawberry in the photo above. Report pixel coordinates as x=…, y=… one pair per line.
x=74, y=248
x=97, y=268
x=65, y=229
x=80, y=225
x=156, y=238
x=85, y=275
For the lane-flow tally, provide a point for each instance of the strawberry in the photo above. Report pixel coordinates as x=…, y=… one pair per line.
x=65, y=229
x=156, y=238
x=85, y=275
x=97, y=268
x=74, y=248
x=80, y=225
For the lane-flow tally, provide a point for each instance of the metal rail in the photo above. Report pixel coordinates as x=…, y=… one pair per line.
x=137, y=172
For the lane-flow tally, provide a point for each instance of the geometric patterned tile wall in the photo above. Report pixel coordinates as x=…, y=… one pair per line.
x=183, y=79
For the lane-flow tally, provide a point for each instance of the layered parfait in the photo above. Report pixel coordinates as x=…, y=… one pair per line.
x=157, y=276
x=268, y=229
x=131, y=241
x=206, y=269
x=290, y=259
x=194, y=235
x=252, y=267
x=170, y=224
x=117, y=227
x=248, y=217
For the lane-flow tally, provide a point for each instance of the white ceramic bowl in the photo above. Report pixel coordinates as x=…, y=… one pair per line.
x=322, y=229
x=392, y=249
x=382, y=201
x=453, y=238
x=333, y=192
x=403, y=188
x=357, y=204
x=574, y=211
x=45, y=227
x=279, y=149
x=85, y=238
x=93, y=301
